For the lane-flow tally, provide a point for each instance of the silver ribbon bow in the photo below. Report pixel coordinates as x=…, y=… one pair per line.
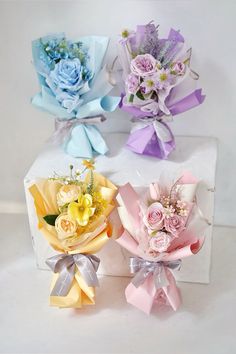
x=143, y=268
x=64, y=127
x=65, y=265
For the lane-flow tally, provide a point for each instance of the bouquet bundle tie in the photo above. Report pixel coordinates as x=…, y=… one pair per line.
x=161, y=228
x=158, y=79
x=65, y=265
x=143, y=269
x=151, y=136
x=74, y=87
x=87, y=133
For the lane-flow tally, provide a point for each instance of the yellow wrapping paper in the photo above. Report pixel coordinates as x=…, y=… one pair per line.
x=44, y=193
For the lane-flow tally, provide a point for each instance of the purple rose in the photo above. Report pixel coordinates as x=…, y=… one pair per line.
x=153, y=218
x=132, y=83
x=179, y=68
x=174, y=224
x=161, y=242
x=143, y=65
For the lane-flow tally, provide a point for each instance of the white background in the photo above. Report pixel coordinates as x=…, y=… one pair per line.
x=209, y=26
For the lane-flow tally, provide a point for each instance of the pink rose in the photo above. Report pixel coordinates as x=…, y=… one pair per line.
x=151, y=253
x=174, y=224
x=179, y=68
x=143, y=65
x=155, y=192
x=154, y=217
x=160, y=242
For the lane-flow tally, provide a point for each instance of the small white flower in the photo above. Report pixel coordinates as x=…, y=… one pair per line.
x=181, y=204
x=183, y=212
x=169, y=212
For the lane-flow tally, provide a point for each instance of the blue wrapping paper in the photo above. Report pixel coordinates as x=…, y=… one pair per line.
x=74, y=86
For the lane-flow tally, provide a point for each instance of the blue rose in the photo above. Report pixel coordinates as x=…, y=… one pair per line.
x=67, y=75
x=65, y=81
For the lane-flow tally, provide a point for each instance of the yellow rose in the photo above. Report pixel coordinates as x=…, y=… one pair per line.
x=67, y=194
x=82, y=210
x=65, y=226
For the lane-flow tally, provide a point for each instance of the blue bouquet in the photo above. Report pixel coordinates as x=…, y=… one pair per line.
x=74, y=88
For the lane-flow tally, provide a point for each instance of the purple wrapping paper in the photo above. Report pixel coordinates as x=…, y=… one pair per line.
x=145, y=140
x=194, y=99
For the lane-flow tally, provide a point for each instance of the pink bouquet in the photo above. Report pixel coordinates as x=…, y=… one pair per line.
x=160, y=229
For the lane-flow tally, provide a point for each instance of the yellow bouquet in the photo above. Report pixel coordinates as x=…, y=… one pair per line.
x=73, y=216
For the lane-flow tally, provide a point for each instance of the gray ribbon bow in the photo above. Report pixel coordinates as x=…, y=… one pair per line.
x=143, y=268
x=161, y=129
x=65, y=265
x=64, y=127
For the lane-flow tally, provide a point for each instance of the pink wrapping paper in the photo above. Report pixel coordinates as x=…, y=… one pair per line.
x=186, y=244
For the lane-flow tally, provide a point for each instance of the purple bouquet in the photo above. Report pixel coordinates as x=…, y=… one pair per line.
x=159, y=84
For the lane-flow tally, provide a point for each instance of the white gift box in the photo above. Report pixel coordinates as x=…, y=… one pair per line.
x=195, y=154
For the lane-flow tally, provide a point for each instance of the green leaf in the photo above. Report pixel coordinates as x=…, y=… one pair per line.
x=131, y=98
x=139, y=95
x=50, y=219
x=63, y=208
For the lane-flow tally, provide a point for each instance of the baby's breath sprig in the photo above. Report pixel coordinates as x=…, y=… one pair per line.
x=74, y=177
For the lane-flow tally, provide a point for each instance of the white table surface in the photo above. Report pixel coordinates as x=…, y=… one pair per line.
x=205, y=323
